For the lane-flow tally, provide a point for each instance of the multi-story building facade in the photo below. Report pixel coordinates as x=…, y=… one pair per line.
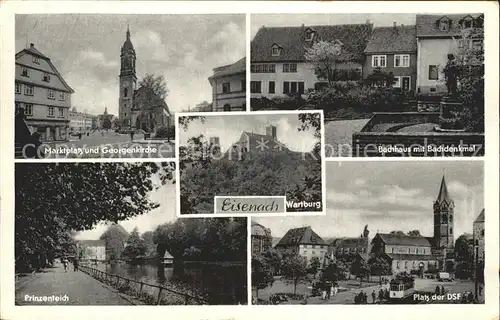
x=92, y=250
x=279, y=66
x=304, y=242
x=404, y=253
x=80, y=122
x=43, y=94
x=478, y=238
x=394, y=49
x=229, y=87
x=261, y=238
x=438, y=36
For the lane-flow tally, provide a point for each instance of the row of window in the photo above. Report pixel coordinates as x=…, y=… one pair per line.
x=51, y=111
x=25, y=72
x=226, y=86
x=406, y=250
x=351, y=250
x=400, y=61
x=289, y=87
x=271, y=68
x=415, y=264
x=29, y=90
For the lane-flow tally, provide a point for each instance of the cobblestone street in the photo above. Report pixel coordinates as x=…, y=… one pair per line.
x=80, y=288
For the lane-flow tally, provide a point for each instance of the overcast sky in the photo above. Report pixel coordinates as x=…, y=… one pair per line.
x=287, y=20
x=85, y=48
x=390, y=196
x=164, y=196
x=230, y=127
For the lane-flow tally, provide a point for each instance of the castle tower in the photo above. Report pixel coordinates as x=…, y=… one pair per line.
x=271, y=131
x=128, y=81
x=443, y=224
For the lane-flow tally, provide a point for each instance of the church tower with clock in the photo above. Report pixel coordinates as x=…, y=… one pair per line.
x=128, y=82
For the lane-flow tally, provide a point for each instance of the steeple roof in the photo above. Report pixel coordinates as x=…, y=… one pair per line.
x=480, y=217
x=443, y=193
x=127, y=45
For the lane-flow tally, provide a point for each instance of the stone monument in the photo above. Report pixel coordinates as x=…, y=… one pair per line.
x=452, y=115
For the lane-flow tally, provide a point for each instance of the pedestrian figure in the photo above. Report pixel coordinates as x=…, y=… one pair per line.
x=75, y=264
x=323, y=291
x=381, y=295
x=335, y=289
x=374, y=296
x=361, y=297
x=356, y=299
x=132, y=135
x=442, y=290
x=328, y=290
x=65, y=264
x=365, y=298
x=437, y=291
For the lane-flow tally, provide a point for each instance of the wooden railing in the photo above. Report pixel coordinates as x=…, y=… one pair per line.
x=117, y=280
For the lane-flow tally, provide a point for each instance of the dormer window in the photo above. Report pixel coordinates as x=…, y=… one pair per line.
x=444, y=24
x=467, y=22
x=276, y=51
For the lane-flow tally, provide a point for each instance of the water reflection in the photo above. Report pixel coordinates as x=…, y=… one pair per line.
x=215, y=283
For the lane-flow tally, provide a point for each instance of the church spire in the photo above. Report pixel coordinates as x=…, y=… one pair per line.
x=128, y=32
x=443, y=195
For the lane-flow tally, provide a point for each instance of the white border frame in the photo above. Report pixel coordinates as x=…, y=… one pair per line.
x=249, y=114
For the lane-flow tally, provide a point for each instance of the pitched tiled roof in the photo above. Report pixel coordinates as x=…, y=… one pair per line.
x=480, y=217
x=235, y=68
x=411, y=257
x=297, y=236
x=444, y=195
x=428, y=25
x=260, y=230
x=92, y=243
x=392, y=39
x=292, y=41
x=404, y=240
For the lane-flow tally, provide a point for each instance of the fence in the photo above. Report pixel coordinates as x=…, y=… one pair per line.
x=175, y=298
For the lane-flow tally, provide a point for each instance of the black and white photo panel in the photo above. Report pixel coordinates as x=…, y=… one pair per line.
x=108, y=85
x=394, y=233
x=250, y=163
x=390, y=85
x=108, y=234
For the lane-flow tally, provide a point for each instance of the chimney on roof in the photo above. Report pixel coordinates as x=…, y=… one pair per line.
x=368, y=21
x=32, y=45
x=394, y=24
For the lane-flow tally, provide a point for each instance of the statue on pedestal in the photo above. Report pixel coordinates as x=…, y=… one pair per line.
x=451, y=73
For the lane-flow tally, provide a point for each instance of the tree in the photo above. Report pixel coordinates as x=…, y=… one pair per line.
x=106, y=123
x=314, y=265
x=334, y=271
x=155, y=91
x=114, y=237
x=294, y=270
x=414, y=233
x=469, y=58
x=262, y=274
x=217, y=239
x=148, y=238
x=360, y=268
x=274, y=259
x=324, y=56
x=379, y=267
x=136, y=247
x=52, y=199
x=379, y=78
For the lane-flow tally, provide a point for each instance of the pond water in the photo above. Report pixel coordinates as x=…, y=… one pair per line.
x=218, y=284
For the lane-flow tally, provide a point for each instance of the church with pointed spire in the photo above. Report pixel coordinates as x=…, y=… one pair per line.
x=418, y=254
x=139, y=107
